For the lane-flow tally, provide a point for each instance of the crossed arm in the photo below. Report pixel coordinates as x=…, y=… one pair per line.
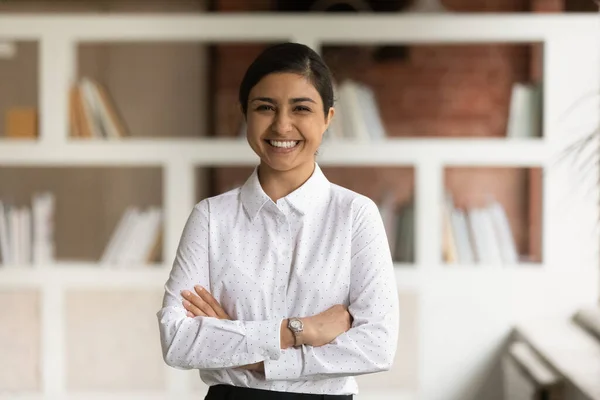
x=331, y=349
x=319, y=329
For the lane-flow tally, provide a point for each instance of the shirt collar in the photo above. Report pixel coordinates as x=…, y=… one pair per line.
x=313, y=192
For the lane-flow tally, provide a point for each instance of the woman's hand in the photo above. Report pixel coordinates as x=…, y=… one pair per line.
x=322, y=328
x=202, y=304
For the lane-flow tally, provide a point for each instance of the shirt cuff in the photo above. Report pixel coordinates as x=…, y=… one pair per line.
x=264, y=338
x=288, y=366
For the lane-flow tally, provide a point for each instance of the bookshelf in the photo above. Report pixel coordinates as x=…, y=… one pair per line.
x=181, y=158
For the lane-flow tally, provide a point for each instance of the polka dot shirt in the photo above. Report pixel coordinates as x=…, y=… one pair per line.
x=266, y=261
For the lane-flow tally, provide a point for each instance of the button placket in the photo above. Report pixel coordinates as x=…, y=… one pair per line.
x=284, y=264
x=281, y=274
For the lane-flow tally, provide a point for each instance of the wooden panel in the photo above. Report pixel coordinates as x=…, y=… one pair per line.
x=20, y=341
x=113, y=341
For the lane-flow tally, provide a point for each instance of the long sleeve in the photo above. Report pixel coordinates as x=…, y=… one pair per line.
x=204, y=342
x=370, y=345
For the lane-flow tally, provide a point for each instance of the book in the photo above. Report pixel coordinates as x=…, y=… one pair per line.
x=477, y=235
x=92, y=112
x=135, y=239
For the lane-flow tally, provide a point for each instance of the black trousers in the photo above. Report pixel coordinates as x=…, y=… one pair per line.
x=228, y=392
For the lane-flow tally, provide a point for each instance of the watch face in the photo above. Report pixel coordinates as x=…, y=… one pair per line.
x=295, y=324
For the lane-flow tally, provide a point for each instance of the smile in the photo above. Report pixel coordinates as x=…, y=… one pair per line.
x=283, y=144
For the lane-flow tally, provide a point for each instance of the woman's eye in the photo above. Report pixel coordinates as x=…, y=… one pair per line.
x=264, y=107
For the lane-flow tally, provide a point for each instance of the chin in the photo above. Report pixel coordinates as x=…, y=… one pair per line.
x=281, y=166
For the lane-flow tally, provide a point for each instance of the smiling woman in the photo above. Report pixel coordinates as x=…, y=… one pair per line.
x=285, y=123
x=286, y=97
x=282, y=288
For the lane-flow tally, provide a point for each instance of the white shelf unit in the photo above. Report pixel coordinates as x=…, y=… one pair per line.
x=472, y=308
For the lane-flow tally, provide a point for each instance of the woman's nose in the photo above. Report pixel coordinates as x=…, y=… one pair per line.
x=282, y=123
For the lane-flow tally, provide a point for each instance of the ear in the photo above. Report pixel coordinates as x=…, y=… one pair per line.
x=329, y=117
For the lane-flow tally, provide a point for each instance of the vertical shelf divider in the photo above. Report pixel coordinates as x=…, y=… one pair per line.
x=428, y=229
x=178, y=202
x=53, y=368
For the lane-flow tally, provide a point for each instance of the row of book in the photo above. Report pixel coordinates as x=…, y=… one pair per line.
x=399, y=223
x=136, y=240
x=525, y=111
x=92, y=113
x=27, y=232
x=478, y=235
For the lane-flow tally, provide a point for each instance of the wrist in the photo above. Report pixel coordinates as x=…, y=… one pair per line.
x=308, y=333
x=287, y=336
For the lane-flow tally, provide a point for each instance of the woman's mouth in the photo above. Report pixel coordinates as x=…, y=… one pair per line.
x=283, y=146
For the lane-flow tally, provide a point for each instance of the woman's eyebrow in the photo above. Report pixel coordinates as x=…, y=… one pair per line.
x=301, y=99
x=292, y=100
x=266, y=99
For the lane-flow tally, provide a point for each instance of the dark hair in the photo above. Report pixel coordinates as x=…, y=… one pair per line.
x=289, y=57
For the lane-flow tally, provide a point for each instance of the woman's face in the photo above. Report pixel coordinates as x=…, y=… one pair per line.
x=285, y=121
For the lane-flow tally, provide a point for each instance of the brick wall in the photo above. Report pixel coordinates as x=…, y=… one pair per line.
x=460, y=90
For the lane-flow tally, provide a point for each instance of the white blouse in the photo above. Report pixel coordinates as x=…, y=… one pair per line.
x=263, y=261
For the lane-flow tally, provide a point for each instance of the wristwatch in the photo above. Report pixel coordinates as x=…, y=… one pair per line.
x=297, y=327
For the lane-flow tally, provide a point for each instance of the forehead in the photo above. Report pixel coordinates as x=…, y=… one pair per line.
x=285, y=85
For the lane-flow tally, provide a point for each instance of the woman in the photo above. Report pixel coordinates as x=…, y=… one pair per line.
x=282, y=288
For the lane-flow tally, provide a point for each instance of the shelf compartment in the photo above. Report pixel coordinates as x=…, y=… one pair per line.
x=105, y=325
x=89, y=202
x=420, y=90
x=154, y=89
x=492, y=216
x=19, y=103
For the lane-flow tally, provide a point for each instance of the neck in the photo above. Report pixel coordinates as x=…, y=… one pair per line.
x=278, y=184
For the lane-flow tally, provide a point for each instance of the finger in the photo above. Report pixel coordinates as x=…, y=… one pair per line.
x=190, y=308
x=211, y=301
x=199, y=304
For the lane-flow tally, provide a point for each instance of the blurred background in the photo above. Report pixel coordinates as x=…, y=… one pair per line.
x=472, y=124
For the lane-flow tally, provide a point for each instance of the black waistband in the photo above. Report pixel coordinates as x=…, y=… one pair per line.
x=228, y=392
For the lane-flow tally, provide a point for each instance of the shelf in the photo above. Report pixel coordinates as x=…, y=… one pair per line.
x=230, y=152
x=461, y=27
x=80, y=274
x=84, y=275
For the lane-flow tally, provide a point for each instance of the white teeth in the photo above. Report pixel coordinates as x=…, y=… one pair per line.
x=286, y=144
